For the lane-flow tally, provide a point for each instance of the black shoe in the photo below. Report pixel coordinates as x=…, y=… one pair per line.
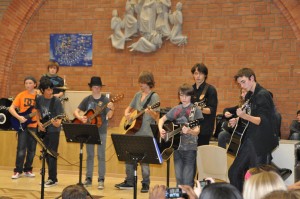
x=124, y=185
x=145, y=188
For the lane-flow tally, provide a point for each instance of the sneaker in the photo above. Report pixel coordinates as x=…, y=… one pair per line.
x=124, y=185
x=145, y=188
x=101, y=184
x=29, y=174
x=16, y=175
x=87, y=182
x=50, y=183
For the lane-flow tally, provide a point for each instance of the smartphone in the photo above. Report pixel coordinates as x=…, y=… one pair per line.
x=204, y=182
x=173, y=193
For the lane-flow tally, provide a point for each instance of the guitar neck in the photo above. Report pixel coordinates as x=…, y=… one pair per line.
x=46, y=124
x=175, y=132
x=97, y=112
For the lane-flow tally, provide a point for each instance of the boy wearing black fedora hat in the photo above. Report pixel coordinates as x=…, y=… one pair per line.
x=94, y=101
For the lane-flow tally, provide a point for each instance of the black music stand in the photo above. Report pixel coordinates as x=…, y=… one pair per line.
x=83, y=134
x=136, y=149
x=44, y=152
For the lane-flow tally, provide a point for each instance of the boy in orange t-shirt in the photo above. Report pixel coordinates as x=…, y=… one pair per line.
x=25, y=103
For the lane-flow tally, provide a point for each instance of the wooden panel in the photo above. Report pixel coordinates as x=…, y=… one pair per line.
x=69, y=157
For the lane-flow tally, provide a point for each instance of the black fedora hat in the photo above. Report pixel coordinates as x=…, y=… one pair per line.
x=95, y=81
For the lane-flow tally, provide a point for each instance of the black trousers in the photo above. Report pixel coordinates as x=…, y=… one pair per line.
x=51, y=141
x=245, y=159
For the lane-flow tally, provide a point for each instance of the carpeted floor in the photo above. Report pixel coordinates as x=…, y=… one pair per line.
x=30, y=194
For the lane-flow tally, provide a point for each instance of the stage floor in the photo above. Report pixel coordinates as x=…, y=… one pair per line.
x=30, y=188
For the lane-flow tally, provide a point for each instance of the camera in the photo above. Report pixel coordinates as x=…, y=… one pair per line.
x=204, y=182
x=174, y=193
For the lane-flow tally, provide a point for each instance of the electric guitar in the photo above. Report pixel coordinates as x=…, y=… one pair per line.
x=28, y=114
x=136, y=119
x=173, y=139
x=92, y=116
x=46, y=123
x=238, y=132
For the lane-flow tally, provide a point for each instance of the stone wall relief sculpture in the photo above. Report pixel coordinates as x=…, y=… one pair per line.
x=152, y=21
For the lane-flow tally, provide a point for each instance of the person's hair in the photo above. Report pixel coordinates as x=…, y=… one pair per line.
x=186, y=89
x=258, y=185
x=256, y=170
x=53, y=64
x=147, y=77
x=220, y=191
x=298, y=112
x=200, y=67
x=247, y=72
x=74, y=192
x=45, y=83
x=282, y=194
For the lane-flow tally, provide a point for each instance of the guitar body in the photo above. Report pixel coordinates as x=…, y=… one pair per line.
x=15, y=123
x=237, y=136
x=90, y=120
x=168, y=147
x=134, y=126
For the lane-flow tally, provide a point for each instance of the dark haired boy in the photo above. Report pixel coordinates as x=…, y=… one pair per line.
x=49, y=107
x=185, y=155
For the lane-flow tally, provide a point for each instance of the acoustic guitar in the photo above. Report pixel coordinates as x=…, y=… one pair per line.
x=238, y=132
x=92, y=116
x=136, y=119
x=173, y=139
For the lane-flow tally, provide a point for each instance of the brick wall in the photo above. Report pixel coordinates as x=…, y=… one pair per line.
x=226, y=36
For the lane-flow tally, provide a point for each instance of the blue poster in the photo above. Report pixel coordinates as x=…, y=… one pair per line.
x=71, y=49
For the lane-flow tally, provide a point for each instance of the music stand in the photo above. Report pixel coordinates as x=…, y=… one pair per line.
x=44, y=151
x=129, y=148
x=83, y=134
x=156, y=134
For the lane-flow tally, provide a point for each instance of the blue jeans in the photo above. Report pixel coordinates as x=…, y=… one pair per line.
x=51, y=141
x=90, y=149
x=26, y=145
x=185, y=167
x=223, y=138
x=130, y=173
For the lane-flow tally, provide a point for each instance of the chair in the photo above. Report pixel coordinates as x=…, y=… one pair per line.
x=212, y=162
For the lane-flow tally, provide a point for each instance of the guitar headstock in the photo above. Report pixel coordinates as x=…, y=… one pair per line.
x=194, y=123
x=117, y=98
x=156, y=105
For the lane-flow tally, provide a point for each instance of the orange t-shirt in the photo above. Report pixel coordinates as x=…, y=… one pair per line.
x=25, y=100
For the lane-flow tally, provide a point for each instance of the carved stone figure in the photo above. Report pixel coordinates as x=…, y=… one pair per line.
x=176, y=19
x=130, y=22
x=117, y=38
x=148, y=17
x=162, y=21
x=147, y=43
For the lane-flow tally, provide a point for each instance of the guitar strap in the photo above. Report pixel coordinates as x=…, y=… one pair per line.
x=148, y=100
x=51, y=107
x=203, y=92
x=192, y=113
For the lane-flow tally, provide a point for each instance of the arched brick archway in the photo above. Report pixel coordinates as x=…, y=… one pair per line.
x=291, y=10
x=19, y=13
x=13, y=24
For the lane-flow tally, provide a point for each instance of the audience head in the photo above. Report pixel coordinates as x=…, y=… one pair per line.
x=220, y=191
x=259, y=169
x=281, y=194
x=74, y=192
x=258, y=185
